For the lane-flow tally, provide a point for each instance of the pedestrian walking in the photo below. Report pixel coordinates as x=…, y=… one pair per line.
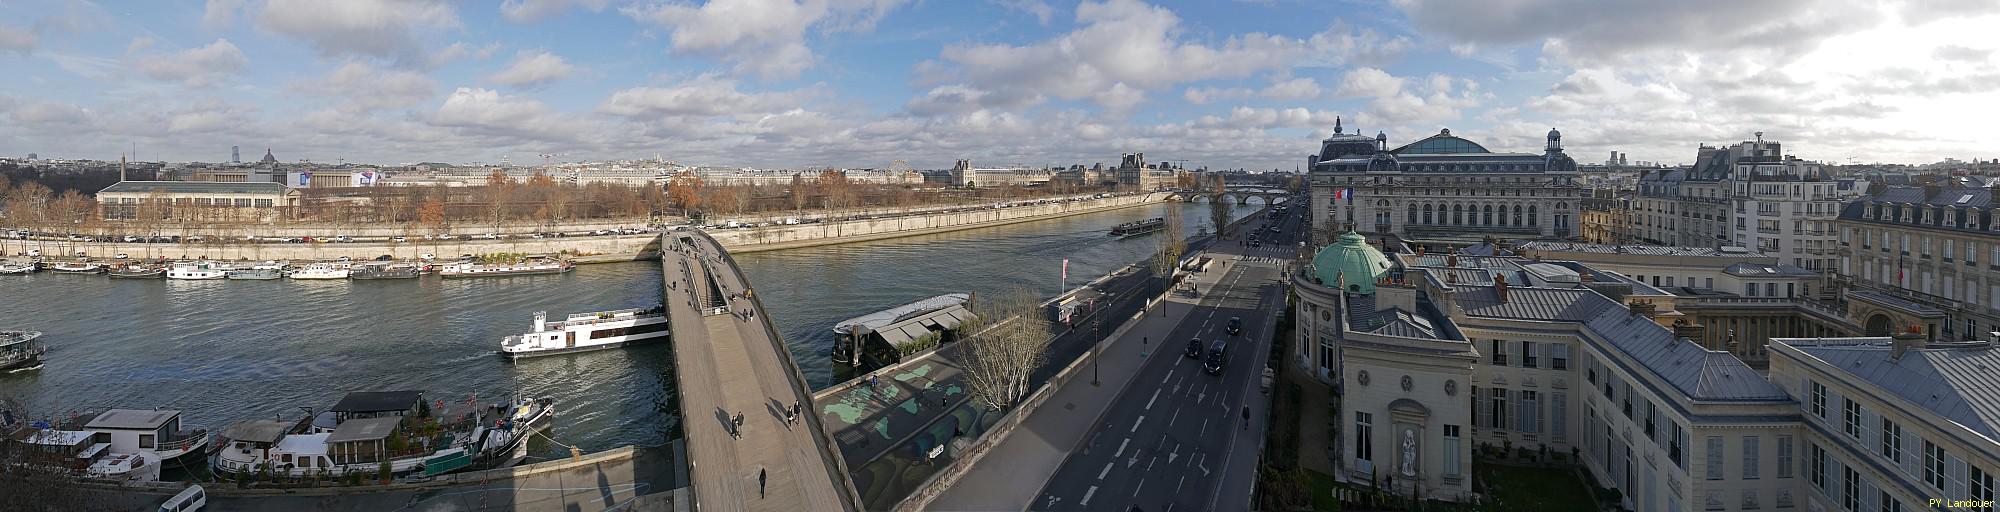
x=1246, y=417
x=875, y=381
x=760, y=482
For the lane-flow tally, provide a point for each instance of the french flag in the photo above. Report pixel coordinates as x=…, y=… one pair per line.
x=1343, y=193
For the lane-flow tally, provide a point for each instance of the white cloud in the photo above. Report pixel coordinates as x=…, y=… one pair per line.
x=534, y=68
x=1369, y=83
x=372, y=28
x=766, y=38
x=16, y=39
x=1292, y=90
x=703, y=96
x=1138, y=45
x=1204, y=95
x=220, y=14
x=483, y=112
x=529, y=11
x=198, y=67
x=366, y=88
x=461, y=50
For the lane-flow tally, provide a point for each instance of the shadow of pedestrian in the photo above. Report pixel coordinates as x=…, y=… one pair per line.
x=723, y=416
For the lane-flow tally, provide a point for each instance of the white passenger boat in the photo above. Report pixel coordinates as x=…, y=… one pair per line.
x=78, y=267
x=322, y=271
x=584, y=332
x=18, y=352
x=530, y=267
x=196, y=271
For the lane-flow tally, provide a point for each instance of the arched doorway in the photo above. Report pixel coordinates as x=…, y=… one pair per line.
x=1878, y=325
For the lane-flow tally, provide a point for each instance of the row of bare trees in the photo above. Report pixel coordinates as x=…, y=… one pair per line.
x=832, y=189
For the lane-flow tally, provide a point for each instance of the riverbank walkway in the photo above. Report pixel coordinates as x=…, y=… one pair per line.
x=730, y=362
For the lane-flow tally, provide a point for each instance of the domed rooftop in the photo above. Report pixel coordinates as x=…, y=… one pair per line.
x=1350, y=258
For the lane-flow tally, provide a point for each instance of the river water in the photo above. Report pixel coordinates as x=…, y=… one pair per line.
x=224, y=351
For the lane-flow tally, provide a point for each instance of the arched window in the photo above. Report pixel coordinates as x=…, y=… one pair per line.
x=1531, y=216
x=1517, y=216
x=1427, y=215
x=1457, y=215
x=1413, y=214
x=1488, y=221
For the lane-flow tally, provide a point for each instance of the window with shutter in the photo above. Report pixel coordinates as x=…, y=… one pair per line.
x=1714, y=458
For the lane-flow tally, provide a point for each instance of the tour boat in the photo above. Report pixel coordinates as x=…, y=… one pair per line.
x=137, y=271
x=260, y=272
x=155, y=431
x=78, y=267
x=16, y=351
x=530, y=267
x=196, y=271
x=386, y=271
x=322, y=271
x=354, y=437
x=15, y=268
x=1139, y=227
x=584, y=332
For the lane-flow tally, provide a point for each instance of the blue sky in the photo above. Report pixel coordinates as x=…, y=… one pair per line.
x=859, y=83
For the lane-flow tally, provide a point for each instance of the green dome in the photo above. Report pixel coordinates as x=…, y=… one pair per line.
x=1351, y=257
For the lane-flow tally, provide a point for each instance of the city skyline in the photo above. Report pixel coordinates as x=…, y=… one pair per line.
x=854, y=83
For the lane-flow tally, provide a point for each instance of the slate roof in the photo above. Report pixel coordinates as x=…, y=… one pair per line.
x=1963, y=198
x=131, y=419
x=1648, y=250
x=196, y=187
x=1695, y=371
x=1956, y=384
x=1768, y=270
x=1891, y=301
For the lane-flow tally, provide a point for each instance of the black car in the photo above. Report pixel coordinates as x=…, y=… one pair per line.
x=1194, y=348
x=1235, y=325
x=1218, y=357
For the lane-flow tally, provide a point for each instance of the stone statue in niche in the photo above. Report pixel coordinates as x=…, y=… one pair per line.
x=1409, y=452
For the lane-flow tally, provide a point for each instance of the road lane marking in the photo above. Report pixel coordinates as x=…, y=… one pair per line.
x=1135, y=424
x=1149, y=402
x=1176, y=416
x=1100, y=474
x=1142, y=485
x=1177, y=488
x=1204, y=428
x=1086, y=496
x=1121, y=447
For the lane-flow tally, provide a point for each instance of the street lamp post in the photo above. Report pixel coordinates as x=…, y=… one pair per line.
x=1096, y=346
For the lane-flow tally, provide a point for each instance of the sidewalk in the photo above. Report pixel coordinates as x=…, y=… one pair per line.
x=1033, y=452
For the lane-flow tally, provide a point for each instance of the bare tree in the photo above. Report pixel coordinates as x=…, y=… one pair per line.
x=499, y=191
x=798, y=194
x=1006, y=346
x=38, y=480
x=1173, y=242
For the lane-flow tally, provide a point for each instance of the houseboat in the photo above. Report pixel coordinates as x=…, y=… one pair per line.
x=78, y=267
x=584, y=332
x=899, y=326
x=530, y=267
x=322, y=271
x=89, y=454
x=157, y=431
x=138, y=271
x=196, y=271
x=358, y=433
x=260, y=272
x=386, y=271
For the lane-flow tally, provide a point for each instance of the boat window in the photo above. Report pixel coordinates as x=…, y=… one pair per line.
x=145, y=440
x=286, y=458
x=305, y=462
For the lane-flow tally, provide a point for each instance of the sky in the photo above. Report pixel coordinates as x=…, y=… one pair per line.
x=860, y=83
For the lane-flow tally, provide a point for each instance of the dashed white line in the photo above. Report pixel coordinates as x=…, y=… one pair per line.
x=1121, y=447
x=1142, y=485
x=1100, y=474
x=1176, y=416
x=1086, y=496
x=1135, y=424
x=1149, y=401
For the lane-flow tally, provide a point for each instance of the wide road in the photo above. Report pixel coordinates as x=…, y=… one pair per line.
x=730, y=363
x=1175, y=438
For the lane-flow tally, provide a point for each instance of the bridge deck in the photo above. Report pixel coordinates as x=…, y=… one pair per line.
x=734, y=362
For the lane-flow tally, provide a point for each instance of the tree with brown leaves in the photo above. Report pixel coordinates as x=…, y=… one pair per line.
x=684, y=192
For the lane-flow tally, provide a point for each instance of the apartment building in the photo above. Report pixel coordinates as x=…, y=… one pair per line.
x=1934, y=250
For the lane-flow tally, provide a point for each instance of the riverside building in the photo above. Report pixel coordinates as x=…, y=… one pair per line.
x=1439, y=359
x=1444, y=189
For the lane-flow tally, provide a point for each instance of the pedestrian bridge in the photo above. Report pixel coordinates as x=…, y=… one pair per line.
x=730, y=360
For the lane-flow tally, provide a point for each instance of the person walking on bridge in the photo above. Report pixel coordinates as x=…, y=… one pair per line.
x=760, y=483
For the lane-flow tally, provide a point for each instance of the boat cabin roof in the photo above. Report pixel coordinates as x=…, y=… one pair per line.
x=872, y=321
x=307, y=444
x=132, y=419
x=60, y=437
x=364, y=429
x=915, y=328
x=378, y=401
x=257, y=431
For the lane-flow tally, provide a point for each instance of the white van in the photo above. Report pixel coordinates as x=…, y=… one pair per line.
x=191, y=498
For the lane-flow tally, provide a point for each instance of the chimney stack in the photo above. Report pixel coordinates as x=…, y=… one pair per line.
x=1683, y=329
x=1500, y=286
x=1451, y=260
x=1642, y=308
x=1902, y=342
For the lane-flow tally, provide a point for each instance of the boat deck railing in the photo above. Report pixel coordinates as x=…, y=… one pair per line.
x=181, y=439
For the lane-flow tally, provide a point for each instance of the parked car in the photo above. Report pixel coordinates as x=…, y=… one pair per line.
x=121, y=256
x=398, y=239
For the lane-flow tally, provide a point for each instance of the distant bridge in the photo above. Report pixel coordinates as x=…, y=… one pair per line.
x=1236, y=194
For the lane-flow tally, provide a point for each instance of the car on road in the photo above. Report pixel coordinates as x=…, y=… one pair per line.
x=399, y=239
x=1194, y=348
x=1218, y=357
x=1235, y=325
x=121, y=256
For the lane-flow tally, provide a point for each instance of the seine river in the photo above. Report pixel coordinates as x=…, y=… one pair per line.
x=224, y=351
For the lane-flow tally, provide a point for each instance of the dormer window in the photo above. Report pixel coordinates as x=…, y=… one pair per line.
x=1927, y=217
x=1971, y=218
x=1868, y=210
x=1903, y=213
x=1950, y=216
